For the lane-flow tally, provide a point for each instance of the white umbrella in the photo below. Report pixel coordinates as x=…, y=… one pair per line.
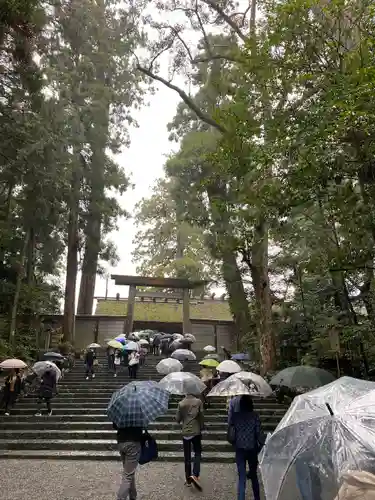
x=13, y=363
x=177, y=336
x=182, y=383
x=183, y=354
x=131, y=346
x=209, y=348
x=189, y=337
x=42, y=366
x=143, y=342
x=228, y=366
x=331, y=430
x=168, y=365
x=94, y=345
x=229, y=387
x=257, y=385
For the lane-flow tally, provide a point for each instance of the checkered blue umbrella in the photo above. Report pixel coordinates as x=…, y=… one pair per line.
x=137, y=404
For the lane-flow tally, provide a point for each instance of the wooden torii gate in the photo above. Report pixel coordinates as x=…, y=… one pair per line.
x=181, y=285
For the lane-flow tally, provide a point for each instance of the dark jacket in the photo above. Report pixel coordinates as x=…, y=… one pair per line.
x=48, y=385
x=17, y=385
x=89, y=358
x=125, y=434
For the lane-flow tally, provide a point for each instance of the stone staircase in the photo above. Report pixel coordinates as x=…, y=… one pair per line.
x=79, y=428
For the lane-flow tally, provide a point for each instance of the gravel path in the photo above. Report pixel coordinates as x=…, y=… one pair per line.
x=91, y=480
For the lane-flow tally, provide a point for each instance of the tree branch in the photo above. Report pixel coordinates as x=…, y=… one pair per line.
x=226, y=18
x=215, y=57
x=187, y=100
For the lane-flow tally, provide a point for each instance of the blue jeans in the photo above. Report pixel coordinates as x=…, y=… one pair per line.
x=250, y=457
x=196, y=444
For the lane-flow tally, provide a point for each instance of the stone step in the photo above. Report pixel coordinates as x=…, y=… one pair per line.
x=93, y=419
x=98, y=444
x=101, y=434
x=164, y=456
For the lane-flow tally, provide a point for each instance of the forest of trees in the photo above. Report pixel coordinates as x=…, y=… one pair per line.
x=271, y=192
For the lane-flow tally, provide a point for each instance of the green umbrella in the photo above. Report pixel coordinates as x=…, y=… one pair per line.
x=211, y=363
x=302, y=376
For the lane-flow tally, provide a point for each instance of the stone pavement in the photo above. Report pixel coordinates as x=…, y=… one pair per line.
x=95, y=480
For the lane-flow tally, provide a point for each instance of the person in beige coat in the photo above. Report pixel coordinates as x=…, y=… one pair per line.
x=357, y=485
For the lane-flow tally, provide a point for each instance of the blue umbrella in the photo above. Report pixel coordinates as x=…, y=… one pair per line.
x=122, y=340
x=241, y=356
x=137, y=404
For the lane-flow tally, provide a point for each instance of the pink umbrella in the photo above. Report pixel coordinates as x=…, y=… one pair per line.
x=14, y=363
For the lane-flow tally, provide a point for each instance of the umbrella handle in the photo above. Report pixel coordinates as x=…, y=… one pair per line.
x=329, y=409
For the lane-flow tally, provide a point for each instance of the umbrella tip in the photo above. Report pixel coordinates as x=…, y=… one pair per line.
x=329, y=409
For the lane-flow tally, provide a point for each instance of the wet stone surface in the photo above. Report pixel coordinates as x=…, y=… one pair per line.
x=79, y=480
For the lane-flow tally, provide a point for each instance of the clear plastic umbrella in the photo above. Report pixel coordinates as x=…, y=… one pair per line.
x=189, y=337
x=257, y=385
x=143, y=342
x=209, y=348
x=131, y=346
x=168, y=365
x=94, y=345
x=177, y=336
x=182, y=383
x=176, y=344
x=228, y=366
x=42, y=366
x=183, y=355
x=229, y=387
x=324, y=434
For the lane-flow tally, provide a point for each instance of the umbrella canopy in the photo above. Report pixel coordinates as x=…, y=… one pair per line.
x=115, y=344
x=168, y=365
x=94, y=345
x=209, y=348
x=134, y=337
x=167, y=336
x=177, y=336
x=9, y=364
x=143, y=342
x=213, y=356
x=257, y=385
x=137, y=404
x=42, y=366
x=143, y=334
x=229, y=387
x=183, y=355
x=131, y=346
x=210, y=363
x=182, y=383
x=241, y=356
x=122, y=340
x=228, y=366
x=302, y=376
x=189, y=337
x=331, y=430
x=176, y=344
x=54, y=356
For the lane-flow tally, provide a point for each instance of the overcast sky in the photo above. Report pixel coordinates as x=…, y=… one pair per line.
x=143, y=161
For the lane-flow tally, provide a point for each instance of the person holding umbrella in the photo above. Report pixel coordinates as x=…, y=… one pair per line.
x=12, y=389
x=47, y=391
x=89, y=363
x=131, y=410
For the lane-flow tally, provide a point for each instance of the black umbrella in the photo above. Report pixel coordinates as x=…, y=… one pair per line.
x=53, y=356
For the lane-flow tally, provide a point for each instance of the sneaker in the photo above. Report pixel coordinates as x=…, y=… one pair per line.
x=38, y=414
x=50, y=413
x=7, y=413
x=87, y=378
x=195, y=481
x=93, y=375
x=188, y=484
x=115, y=375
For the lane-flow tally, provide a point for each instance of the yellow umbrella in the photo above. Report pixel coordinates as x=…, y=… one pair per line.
x=211, y=363
x=115, y=344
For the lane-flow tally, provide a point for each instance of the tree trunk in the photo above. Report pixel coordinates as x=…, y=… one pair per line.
x=238, y=303
x=263, y=302
x=20, y=273
x=72, y=260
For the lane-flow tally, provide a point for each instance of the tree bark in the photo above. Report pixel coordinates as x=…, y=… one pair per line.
x=20, y=273
x=72, y=260
x=262, y=291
